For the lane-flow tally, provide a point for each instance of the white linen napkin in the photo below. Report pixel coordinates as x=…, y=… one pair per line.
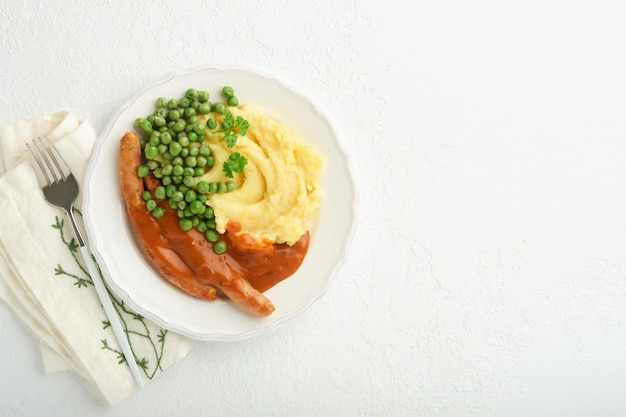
x=43, y=277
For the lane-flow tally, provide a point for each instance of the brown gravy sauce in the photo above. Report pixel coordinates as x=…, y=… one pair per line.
x=263, y=264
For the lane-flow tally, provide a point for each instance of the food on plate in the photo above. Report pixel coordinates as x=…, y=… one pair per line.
x=280, y=192
x=220, y=196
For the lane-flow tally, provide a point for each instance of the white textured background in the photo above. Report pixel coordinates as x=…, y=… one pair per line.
x=487, y=274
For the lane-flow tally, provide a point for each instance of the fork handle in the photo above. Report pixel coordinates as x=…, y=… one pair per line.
x=114, y=319
x=107, y=304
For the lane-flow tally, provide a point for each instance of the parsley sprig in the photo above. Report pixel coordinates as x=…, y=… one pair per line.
x=235, y=163
x=232, y=128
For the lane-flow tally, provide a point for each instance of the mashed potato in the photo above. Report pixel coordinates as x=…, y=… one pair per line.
x=279, y=189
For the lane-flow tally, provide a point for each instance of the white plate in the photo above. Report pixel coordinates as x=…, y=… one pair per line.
x=127, y=271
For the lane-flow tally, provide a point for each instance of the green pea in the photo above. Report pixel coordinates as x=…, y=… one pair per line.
x=145, y=195
x=203, y=96
x=190, y=196
x=177, y=170
x=205, y=150
x=190, y=161
x=166, y=180
x=158, y=173
x=161, y=112
x=185, y=224
x=184, y=152
x=188, y=180
x=170, y=190
x=177, y=179
x=193, y=137
x=187, y=172
x=178, y=196
x=204, y=108
x=173, y=204
x=175, y=148
x=161, y=102
x=172, y=103
x=197, y=207
x=211, y=123
x=190, y=111
x=219, y=247
x=228, y=91
x=184, y=102
x=210, y=161
x=143, y=171
x=200, y=161
x=145, y=125
x=221, y=187
x=201, y=226
x=158, y=212
x=212, y=187
x=159, y=121
x=231, y=186
x=180, y=213
x=184, y=141
x=152, y=152
x=211, y=235
x=209, y=213
x=173, y=115
x=166, y=138
x=198, y=171
x=220, y=108
x=191, y=93
x=179, y=126
x=199, y=129
x=151, y=204
x=183, y=188
x=154, y=137
x=202, y=198
x=194, y=148
x=202, y=187
x=182, y=205
x=167, y=169
x=233, y=101
x=159, y=192
x=162, y=148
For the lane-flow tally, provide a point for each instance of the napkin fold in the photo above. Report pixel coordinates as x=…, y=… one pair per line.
x=43, y=277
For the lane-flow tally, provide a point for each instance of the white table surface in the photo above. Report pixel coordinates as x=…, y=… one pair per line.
x=487, y=273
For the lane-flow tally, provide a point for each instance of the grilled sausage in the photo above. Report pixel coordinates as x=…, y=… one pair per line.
x=186, y=259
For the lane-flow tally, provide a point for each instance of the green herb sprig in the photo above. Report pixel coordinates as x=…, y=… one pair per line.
x=232, y=128
x=235, y=163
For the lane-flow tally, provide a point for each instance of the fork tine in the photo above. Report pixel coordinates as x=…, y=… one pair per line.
x=43, y=156
x=46, y=156
x=56, y=157
x=38, y=159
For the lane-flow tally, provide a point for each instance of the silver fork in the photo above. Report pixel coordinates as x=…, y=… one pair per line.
x=61, y=190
